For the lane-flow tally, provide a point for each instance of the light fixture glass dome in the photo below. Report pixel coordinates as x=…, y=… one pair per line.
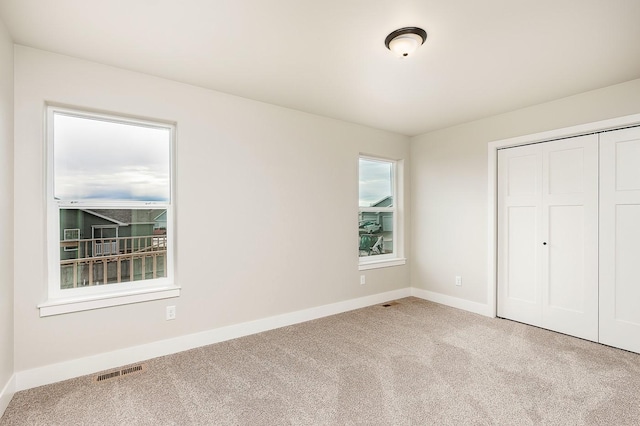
x=405, y=41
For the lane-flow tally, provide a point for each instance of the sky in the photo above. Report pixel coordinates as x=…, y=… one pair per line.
x=99, y=160
x=375, y=181
x=105, y=160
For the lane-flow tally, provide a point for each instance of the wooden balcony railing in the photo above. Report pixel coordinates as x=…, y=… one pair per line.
x=112, y=260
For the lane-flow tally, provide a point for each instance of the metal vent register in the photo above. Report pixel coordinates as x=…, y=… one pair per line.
x=120, y=373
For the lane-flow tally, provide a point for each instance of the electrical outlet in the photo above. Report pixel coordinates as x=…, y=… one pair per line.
x=363, y=280
x=458, y=280
x=171, y=313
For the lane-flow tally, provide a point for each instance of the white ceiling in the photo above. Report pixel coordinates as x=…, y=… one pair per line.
x=328, y=57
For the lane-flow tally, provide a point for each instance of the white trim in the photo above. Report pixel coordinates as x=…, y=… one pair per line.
x=7, y=393
x=454, y=302
x=397, y=209
x=384, y=263
x=492, y=182
x=154, y=289
x=74, y=368
x=97, y=301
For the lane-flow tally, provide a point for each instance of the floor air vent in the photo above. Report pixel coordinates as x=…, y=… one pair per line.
x=119, y=373
x=386, y=305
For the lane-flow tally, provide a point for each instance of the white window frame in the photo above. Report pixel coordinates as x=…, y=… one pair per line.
x=395, y=258
x=61, y=301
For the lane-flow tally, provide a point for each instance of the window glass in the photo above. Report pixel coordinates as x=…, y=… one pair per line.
x=108, y=160
x=376, y=218
x=376, y=183
x=112, y=246
x=110, y=203
x=376, y=233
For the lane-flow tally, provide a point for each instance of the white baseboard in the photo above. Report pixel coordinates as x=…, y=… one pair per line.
x=7, y=393
x=454, y=302
x=79, y=367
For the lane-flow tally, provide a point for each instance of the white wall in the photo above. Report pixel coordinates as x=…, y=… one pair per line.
x=6, y=214
x=280, y=184
x=449, y=185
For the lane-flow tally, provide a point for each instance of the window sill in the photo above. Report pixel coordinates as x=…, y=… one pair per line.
x=85, y=303
x=375, y=264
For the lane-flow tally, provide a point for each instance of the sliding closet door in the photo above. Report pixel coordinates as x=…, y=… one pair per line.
x=547, y=235
x=620, y=239
x=520, y=234
x=570, y=234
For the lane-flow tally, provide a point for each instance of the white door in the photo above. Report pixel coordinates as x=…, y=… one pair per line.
x=570, y=220
x=519, y=234
x=620, y=239
x=548, y=235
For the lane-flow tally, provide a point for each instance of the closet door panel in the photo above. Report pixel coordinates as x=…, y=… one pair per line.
x=548, y=235
x=566, y=265
x=620, y=239
x=566, y=168
x=570, y=231
x=627, y=276
x=627, y=155
x=521, y=271
x=519, y=246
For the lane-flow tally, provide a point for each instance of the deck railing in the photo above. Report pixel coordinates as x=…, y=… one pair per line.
x=113, y=260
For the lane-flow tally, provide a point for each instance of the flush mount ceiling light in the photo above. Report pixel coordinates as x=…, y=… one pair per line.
x=405, y=41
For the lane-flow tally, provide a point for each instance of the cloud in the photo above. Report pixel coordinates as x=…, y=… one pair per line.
x=375, y=179
x=95, y=159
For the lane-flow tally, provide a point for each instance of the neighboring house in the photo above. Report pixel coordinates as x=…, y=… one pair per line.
x=99, y=246
x=376, y=224
x=385, y=202
x=160, y=222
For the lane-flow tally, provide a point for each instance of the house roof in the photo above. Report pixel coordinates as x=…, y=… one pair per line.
x=106, y=215
x=125, y=217
x=385, y=202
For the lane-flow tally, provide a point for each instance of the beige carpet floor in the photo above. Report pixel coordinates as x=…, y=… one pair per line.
x=414, y=363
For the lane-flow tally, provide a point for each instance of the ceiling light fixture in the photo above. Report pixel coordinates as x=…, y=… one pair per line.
x=405, y=41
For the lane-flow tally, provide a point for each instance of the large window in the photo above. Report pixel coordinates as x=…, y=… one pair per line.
x=378, y=211
x=110, y=205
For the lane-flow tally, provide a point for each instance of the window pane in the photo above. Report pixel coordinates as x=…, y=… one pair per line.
x=375, y=233
x=376, y=183
x=107, y=246
x=95, y=159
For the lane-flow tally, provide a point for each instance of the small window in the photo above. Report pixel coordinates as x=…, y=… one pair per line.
x=70, y=239
x=71, y=234
x=378, y=212
x=110, y=204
